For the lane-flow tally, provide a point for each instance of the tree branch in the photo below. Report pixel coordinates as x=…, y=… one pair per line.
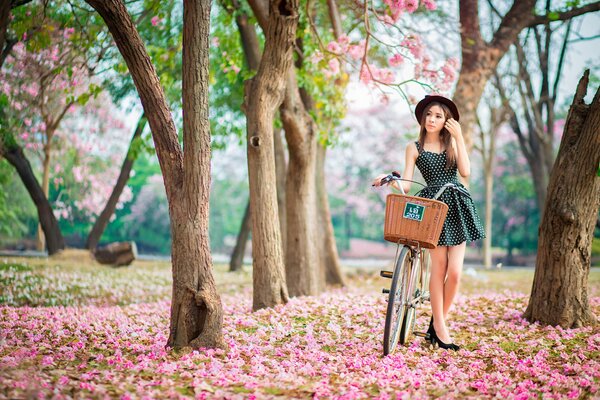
x=261, y=12
x=513, y=22
x=18, y=3
x=583, y=39
x=563, y=16
x=561, y=61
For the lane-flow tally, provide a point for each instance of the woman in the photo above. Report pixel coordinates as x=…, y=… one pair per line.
x=441, y=154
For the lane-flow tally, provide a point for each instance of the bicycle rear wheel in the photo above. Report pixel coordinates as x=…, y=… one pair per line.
x=396, y=301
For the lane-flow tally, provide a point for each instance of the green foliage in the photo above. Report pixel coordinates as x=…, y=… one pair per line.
x=121, y=228
x=11, y=225
x=228, y=71
x=18, y=214
x=328, y=95
x=228, y=201
x=596, y=247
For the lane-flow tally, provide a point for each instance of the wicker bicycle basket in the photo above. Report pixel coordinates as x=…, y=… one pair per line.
x=410, y=219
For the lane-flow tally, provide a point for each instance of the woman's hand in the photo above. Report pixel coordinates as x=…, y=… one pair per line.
x=454, y=128
x=377, y=180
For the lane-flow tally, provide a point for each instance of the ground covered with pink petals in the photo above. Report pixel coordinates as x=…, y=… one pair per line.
x=320, y=347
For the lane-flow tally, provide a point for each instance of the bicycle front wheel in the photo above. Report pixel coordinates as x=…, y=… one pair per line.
x=414, y=293
x=397, y=301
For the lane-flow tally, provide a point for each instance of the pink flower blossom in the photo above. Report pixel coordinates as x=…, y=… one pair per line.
x=411, y=5
x=155, y=20
x=334, y=66
x=430, y=5
x=396, y=60
x=316, y=57
x=334, y=47
x=356, y=52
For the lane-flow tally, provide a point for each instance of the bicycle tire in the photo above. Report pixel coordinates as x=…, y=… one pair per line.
x=396, y=301
x=425, y=271
x=414, y=290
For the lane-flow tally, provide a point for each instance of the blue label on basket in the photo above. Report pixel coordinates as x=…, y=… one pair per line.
x=414, y=211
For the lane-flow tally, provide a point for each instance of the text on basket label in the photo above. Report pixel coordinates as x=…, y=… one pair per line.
x=413, y=211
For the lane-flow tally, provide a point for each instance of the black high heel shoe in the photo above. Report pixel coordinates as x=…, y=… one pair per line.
x=436, y=340
x=429, y=330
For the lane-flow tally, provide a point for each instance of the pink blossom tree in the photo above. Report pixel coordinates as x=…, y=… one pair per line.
x=88, y=152
x=44, y=84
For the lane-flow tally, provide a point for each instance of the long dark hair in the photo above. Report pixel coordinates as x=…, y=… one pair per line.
x=445, y=135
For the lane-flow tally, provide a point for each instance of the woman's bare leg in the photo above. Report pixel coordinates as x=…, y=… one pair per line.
x=456, y=258
x=439, y=266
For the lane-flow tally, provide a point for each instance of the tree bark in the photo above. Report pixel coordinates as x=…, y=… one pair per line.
x=328, y=254
x=4, y=21
x=300, y=132
x=489, y=200
x=253, y=55
x=196, y=309
x=301, y=251
x=249, y=38
x=488, y=149
x=111, y=205
x=237, y=257
x=263, y=94
x=281, y=172
x=560, y=287
x=54, y=238
x=40, y=239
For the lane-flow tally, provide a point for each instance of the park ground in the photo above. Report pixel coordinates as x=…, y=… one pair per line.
x=71, y=328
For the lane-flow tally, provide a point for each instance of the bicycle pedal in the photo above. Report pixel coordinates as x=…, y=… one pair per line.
x=385, y=291
x=386, y=274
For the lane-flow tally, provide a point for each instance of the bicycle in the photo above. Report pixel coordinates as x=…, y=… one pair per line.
x=416, y=224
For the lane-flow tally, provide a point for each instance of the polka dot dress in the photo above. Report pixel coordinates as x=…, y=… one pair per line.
x=462, y=222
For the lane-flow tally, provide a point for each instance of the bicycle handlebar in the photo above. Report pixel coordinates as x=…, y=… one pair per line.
x=395, y=176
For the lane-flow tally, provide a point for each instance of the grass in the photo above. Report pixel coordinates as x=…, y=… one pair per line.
x=74, y=278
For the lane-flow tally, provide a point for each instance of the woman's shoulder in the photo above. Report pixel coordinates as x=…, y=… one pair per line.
x=413, y=147
x=412, y=150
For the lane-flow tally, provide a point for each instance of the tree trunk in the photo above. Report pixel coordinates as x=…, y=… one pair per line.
x=263, y=94
x=301, y=260
x=498, y=116
x=489, y=199
x=54, y=238
x=111, y=205
x=328, y=255
x=40, y=240
x=300, y=132
x=237, y=257
x=4, y=21
x=250, y=44
x=560, y=287
x=196, y=309
x=281, y=172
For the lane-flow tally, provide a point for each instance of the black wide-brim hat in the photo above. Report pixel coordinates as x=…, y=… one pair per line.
x=435, y=99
